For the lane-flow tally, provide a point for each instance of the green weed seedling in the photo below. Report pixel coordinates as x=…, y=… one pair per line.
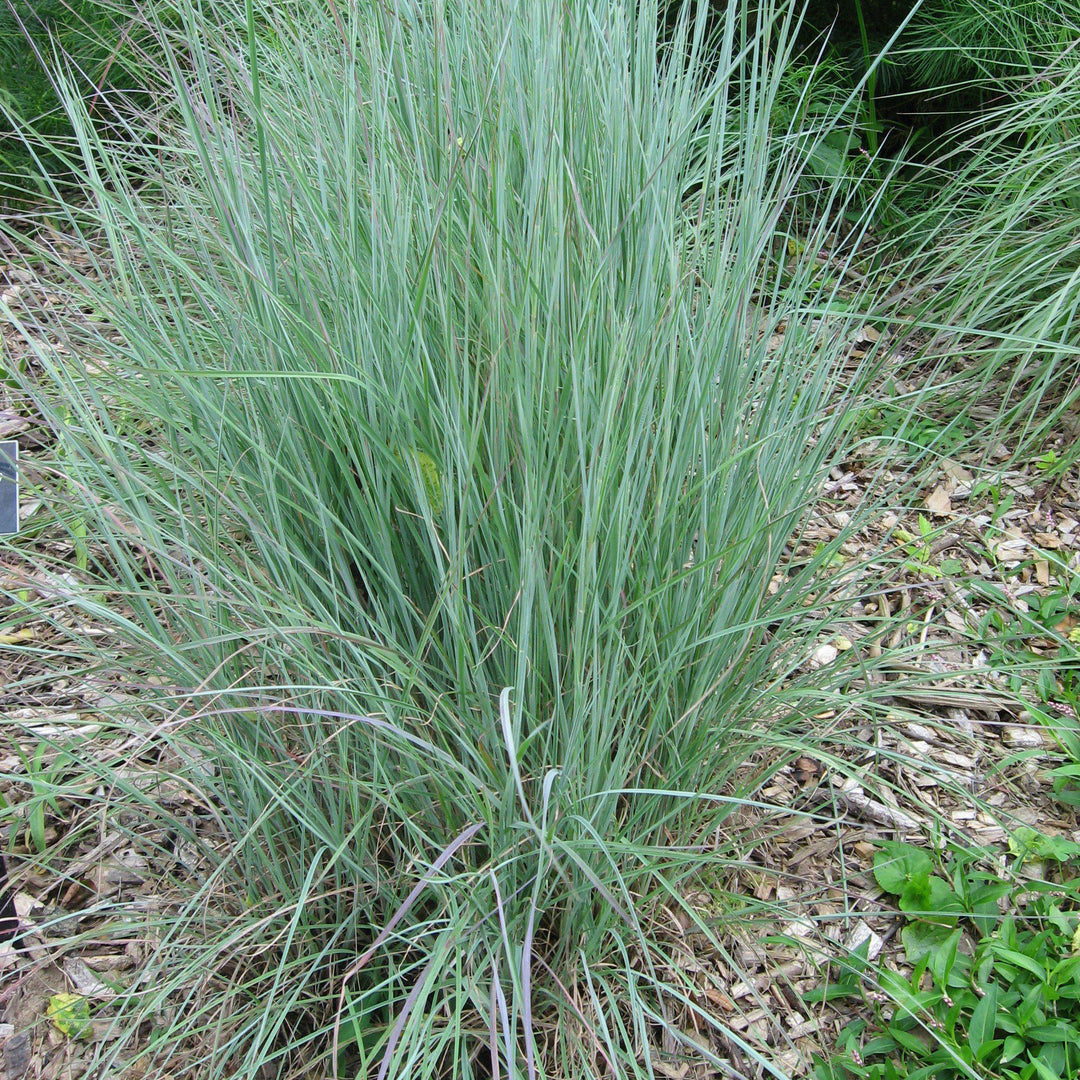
x=43, y=778
x=1054, y=465
x=920, y=553
x=1037, y=649
x=1039, y=653
x=994, y=982
x=1062, y=720
x=362, y=1035
x=904, y=426
x=1001, y=498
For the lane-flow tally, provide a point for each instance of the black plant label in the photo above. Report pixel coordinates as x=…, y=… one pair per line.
x=9, y=487
x=9, y=919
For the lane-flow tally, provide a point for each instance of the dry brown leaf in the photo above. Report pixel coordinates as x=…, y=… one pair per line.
x=672, y=1072
x=938, y=502
x=956, y=472
x=719, y=1000
x=1048, y=540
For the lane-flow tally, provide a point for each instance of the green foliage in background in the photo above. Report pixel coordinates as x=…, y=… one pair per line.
x=993, y=44
x=996, y=215
x=88, y=43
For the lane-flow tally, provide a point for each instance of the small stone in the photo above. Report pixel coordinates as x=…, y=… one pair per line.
x=824, y=654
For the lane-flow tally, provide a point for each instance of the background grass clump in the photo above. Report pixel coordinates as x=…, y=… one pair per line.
x=991, y=240
x=462, y=415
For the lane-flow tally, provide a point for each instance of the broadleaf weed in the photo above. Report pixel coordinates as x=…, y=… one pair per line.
x=993, y=987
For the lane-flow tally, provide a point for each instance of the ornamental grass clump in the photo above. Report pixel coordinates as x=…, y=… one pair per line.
x=457, y=423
